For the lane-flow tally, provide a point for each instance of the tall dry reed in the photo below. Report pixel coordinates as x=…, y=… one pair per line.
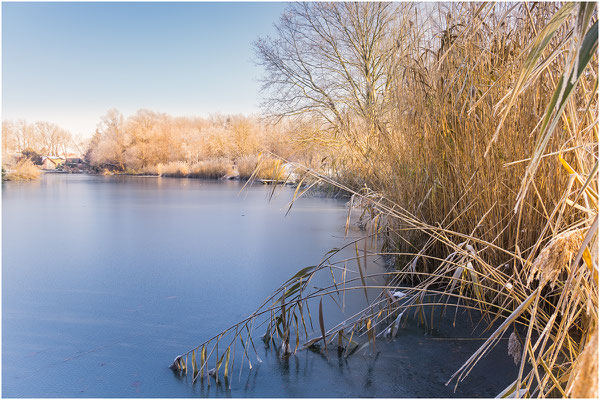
x=479, y=169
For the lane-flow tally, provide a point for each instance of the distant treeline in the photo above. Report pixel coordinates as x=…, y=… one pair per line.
x=41, y=138
x=150, y=142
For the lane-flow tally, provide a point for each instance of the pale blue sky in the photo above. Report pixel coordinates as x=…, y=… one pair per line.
x=70, y=62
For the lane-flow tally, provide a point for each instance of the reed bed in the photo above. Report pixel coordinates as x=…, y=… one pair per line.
x=208, y=169
x=212, y=169
x=152, y=170
x=476, y=168
x=179, y=169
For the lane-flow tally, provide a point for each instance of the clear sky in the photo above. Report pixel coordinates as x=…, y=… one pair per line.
x=69, y=63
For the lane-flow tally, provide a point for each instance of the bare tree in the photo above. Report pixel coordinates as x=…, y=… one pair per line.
x=40, y=137
x=337, y=61
x=51, y=139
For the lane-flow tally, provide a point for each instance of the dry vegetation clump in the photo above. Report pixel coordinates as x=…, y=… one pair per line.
x=208, y=169
x=469, y=134
x=585, y=383
x=261, y=167
x=271, y=169
x=246, y=165
x=556, y=256
x=150, y=170
x=177, y=169
x=23, y=170
x=212, y=169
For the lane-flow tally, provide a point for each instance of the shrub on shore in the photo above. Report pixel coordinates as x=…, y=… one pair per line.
x=259, y=167
x=212, y=169
x=23, y=170
x=152, y=170
x=209, y=169
x=270, y=169
x=246, y=166
x=178, y=169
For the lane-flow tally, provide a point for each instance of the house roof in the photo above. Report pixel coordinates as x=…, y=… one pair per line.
x=49, y=159
x=53, y=159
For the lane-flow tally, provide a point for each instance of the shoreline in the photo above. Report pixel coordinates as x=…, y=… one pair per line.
x=323, y=190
